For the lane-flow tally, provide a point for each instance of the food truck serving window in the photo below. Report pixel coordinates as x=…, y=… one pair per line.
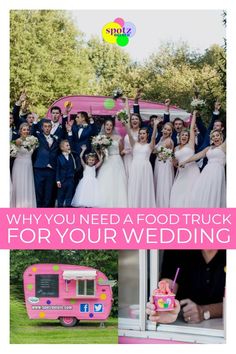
x=47, y=285
x=85, y=287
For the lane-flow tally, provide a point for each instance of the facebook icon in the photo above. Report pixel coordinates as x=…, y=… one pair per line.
x=84, y=308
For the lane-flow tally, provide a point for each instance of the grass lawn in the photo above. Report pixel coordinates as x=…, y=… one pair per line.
x=26, y=331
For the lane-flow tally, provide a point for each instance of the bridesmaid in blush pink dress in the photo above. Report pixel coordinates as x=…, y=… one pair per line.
x=135, y=124
x=23, y=189
x=164, y=169
x=209, y=188
x=185, y=177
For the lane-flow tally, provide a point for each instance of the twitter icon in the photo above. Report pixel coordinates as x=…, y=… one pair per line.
x=98, y=308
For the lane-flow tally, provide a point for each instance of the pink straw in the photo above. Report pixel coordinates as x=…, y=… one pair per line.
x=176, y=275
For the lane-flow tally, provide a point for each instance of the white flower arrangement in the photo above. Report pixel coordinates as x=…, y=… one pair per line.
x=13, y=149
x=122, y=116
x=30, y=143
x=163, y=153
x=101, y=143
x=197, y=103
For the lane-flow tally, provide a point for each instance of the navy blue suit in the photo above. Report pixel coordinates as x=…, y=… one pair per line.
x=60, y=132
x=65, y=175
x=44, y=175
x=76, y=142
x=18, y=120
x=85, y=138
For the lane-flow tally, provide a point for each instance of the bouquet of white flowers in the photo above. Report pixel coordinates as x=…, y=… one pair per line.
x=163, y=153
x=117, y=93
x=13, y=149
x=197, y=104
x=122, y=116
x=30, y=143
x=101, y=143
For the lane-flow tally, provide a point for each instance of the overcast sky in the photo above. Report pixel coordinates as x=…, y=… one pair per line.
x=199, y=28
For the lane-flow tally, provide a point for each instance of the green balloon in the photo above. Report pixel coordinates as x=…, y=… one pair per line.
x=109, y=103
x=122, y=40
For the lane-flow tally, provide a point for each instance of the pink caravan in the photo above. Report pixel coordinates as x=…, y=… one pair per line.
x=102, y=107
x=68, y=293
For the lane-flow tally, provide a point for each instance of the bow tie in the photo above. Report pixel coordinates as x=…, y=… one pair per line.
x=80, y=126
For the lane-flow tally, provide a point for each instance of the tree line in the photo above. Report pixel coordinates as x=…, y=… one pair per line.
x=51, y=58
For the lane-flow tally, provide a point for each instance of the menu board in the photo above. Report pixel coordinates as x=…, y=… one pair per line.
x=47, y=285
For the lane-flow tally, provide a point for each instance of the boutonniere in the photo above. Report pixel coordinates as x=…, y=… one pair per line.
x=56, y=137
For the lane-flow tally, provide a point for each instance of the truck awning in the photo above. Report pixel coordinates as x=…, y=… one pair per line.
x=79, y=274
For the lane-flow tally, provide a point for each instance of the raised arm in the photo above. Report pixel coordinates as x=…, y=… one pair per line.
x=100, y=160
x=195, y=157
x=154, y=132
x=192, y=133
x=166, y=117
x=131, y=139
x=136, y=99
x=84, y=147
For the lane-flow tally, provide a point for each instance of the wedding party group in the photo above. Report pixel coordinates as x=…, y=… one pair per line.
x=64, y=162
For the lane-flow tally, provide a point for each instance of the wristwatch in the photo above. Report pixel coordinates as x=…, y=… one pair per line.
x=206, y=315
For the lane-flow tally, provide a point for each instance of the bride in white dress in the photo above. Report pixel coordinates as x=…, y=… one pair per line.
x=209, y=190
x=23, y=190
x=164, y=170
x=141, y=192
x=112, y=181
x=185, y=177
x=135, y=124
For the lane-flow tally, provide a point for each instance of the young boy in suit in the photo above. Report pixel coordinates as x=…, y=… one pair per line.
x=66, y=168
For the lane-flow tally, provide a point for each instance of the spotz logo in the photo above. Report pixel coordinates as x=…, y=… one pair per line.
x=118, y=32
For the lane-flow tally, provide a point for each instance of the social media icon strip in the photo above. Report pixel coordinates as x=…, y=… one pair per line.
x=84, y=308
x=98, y=308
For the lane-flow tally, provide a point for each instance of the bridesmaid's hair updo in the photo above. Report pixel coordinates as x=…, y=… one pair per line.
x=170, y=125
x=22, y=126
x=185, y=131
x=146, y=130
x=216, y=131
x=138, y=116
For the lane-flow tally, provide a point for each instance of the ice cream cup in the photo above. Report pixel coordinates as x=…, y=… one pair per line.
x=164, y=302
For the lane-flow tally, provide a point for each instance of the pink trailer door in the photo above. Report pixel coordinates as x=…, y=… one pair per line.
x=57, y=291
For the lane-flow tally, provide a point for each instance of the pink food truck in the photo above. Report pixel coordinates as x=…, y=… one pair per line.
x=69, y=293
x=102, y=107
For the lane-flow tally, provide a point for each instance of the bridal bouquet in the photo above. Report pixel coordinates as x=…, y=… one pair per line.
x=117, y=93
x=197, y=103
x=101, y=143
x=30, y=143
x=163, y=154
x=122, y=116
x=13, y=149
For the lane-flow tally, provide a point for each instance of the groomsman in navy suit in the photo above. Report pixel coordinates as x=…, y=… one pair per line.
x=66, y=168
x=80, y=133
x=45, y=165
x=58, y=129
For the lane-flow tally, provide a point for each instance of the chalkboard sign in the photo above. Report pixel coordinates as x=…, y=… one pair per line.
x=47, y=285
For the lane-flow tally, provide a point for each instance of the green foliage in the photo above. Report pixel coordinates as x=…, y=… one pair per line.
x=105, y=261
x=50, y=59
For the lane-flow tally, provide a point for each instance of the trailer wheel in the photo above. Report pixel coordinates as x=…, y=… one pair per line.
x=68, y=321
